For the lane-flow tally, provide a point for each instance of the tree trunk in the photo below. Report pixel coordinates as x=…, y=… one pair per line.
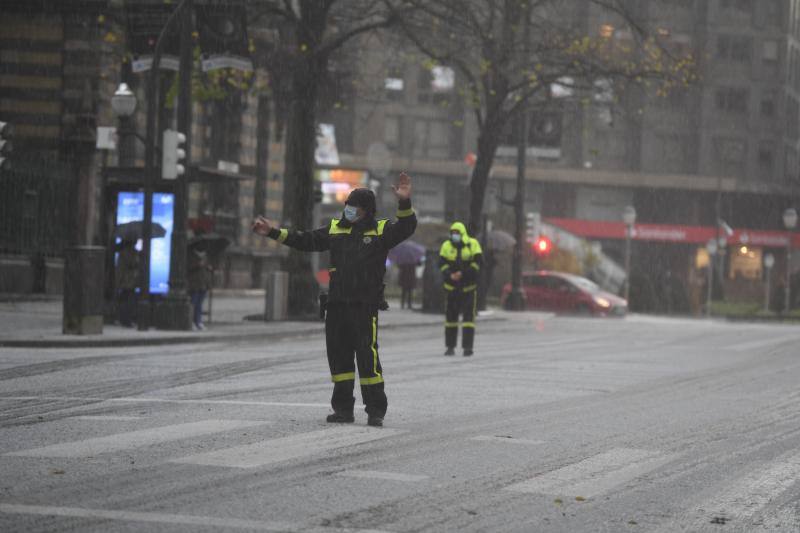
x=298, y=202
x=487, y=147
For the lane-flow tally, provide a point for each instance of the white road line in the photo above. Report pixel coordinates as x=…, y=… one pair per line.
x=286, y=448
x=376, y=474
x=134, y=439
x=749, y=495
x=160, y=400
x=595, y=475
x=762, y=343
x=102, y=418
x=509, y=439
x=176, y=519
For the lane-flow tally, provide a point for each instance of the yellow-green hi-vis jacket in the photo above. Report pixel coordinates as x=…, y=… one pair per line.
x=465, y=257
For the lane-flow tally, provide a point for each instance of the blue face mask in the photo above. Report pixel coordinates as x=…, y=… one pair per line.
x=456, y=237
x=350, y=213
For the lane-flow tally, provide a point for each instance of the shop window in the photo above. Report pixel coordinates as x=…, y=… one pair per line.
x=431, y=139
x=745, y=263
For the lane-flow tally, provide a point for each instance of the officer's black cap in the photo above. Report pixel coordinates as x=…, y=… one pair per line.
x=363, y=198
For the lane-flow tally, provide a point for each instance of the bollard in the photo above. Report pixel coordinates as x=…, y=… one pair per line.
x=432, y=292
x=276, y=303
x=84, y=273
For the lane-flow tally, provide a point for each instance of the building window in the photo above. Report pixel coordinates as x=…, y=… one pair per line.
x=730, y=150
x=392, y=136
x=767, y=106
x=734, y=48
x=431, y=139
x=745, y=6
x=766, y=159
x=772, y=12
x=790, y=164
x=769, y=51
x=732, y=100
x=394, y=84
x=436, y=85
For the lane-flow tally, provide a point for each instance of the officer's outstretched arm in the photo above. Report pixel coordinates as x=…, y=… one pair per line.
x=401, y=229
x=317, y=240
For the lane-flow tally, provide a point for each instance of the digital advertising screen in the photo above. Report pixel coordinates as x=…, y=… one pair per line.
x=130, y=208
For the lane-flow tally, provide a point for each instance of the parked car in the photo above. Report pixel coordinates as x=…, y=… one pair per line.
x=567, y=293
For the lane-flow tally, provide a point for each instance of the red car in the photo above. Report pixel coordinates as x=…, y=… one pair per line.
x=567, y=293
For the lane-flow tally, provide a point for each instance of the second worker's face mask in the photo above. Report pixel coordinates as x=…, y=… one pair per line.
x=351, y=213
x=455, y=237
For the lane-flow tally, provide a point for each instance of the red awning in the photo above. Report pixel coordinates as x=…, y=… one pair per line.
x=601, y=229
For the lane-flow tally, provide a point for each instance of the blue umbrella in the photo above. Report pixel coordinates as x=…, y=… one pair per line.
x=407, y=253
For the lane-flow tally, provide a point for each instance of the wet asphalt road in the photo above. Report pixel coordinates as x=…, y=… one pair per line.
x=556, y=424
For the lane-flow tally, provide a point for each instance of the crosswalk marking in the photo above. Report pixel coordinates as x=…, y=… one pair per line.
x=106, y=418
x=160, y=400
x=286, y=448
x=376, y=474
x=508, y=439
x=175, y=519
x=134, y=439
x=750, y=494
x=594, y=475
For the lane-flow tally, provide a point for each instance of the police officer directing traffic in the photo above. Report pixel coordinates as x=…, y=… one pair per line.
x=460, y=259
x=358, y=245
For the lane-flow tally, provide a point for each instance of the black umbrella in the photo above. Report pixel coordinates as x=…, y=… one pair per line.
x=211, y=243
x=132, y=231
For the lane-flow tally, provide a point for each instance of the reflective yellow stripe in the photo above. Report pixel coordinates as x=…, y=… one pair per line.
x=451, y=324
x=470, y=288
x=405, y=212
x=371, y=381
x=468, y=325
x=332, y=269
x=347, y=376
x=283, y=235
x=475, y=266
x=378, y=230
x=378, y=378
x=444, y=267
x=336, y=230
x=448, y=287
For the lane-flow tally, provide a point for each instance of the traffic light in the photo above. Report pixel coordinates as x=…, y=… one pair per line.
x=172, y=155
x=543, y=246
x=5, y=145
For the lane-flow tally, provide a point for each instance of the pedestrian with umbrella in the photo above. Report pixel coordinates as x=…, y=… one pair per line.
x=407, y=256
x=127, y=280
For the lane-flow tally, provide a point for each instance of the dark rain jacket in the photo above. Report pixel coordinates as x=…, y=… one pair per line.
x=465, y=257
x=357, y=252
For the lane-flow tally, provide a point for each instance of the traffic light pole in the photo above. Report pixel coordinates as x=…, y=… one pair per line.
x=176, y=311
x=144, y=315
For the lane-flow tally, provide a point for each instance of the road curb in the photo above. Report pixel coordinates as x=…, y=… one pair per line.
x=199, y=338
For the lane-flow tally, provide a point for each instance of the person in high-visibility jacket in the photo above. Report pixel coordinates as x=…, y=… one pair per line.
x=358, y=244
x=460, y=259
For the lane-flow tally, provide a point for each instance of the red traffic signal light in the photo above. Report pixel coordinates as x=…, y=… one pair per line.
x=542, y=246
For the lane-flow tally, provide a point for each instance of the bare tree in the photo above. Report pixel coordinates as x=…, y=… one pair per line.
x=484, y=40
x=312, y=32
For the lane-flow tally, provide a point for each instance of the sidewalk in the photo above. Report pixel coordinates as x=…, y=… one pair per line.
x=37, y=324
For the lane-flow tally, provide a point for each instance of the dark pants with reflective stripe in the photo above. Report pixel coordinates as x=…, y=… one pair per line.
x=460, y=304
x=351, y=332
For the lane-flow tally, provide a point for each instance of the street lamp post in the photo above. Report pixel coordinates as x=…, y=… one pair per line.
x=769, y=262
x=123, y=103
x=789, y=221
x=629, y=217
x=711, y=247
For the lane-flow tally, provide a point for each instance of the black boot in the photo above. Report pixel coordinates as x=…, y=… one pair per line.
x=467, y=352
x=450, y=351
x=340, y=418
x=375, y=421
